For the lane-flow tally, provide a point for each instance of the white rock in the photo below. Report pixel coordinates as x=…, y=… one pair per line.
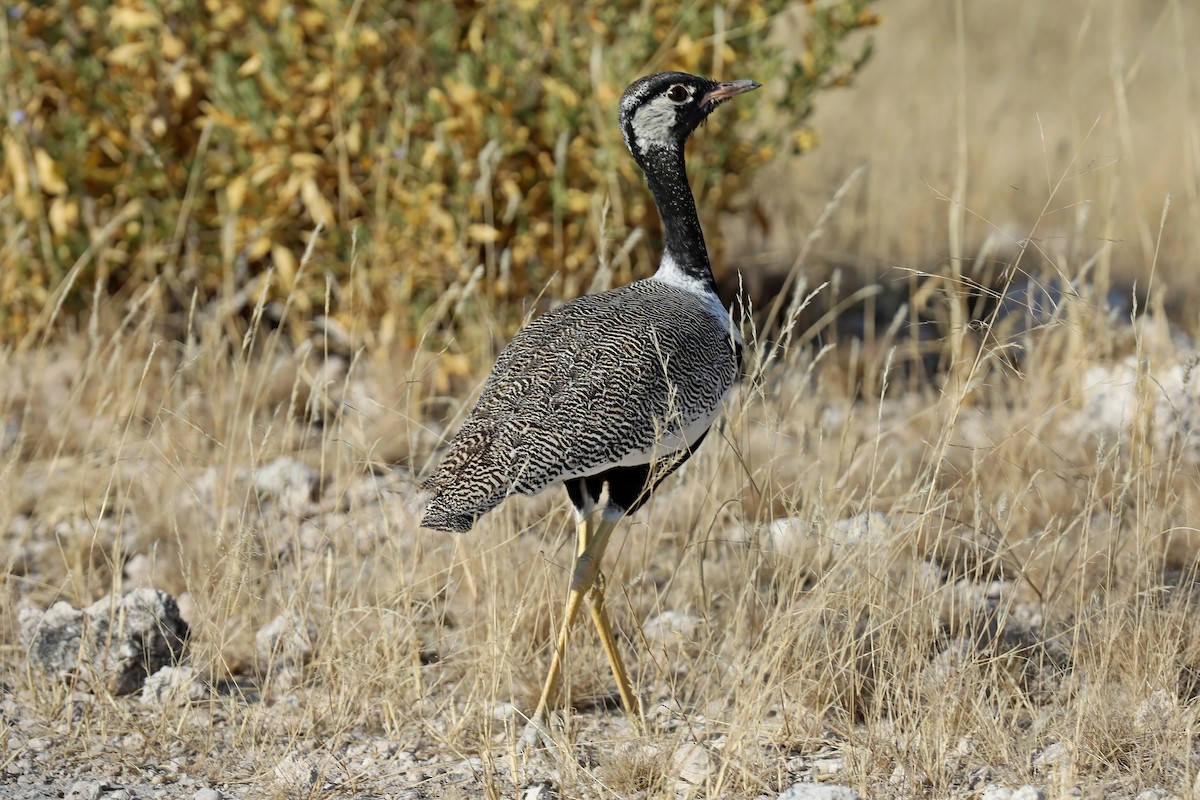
x=829, y=765
x=542, y=790
x=820, y=545
x=187, y=607
x=505, y=712
x=671, y=626
x=1156, y=711
x=668, y=708
x=292, y=485
x=1156, y=794
x=173, y=686
x=286, y=641
x=296, y=773
x=691, y=764
x=139, y=572
x=1053, y=755
x=817, y=791
x=1113, y=398
x=1026, y=792
x=84, y=790
x=206, y=794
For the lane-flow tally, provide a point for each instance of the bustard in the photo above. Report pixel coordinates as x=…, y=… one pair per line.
x=614, y=389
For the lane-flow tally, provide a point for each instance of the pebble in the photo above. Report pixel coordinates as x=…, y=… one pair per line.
x=1026, y=792
x=671, y=626
x=294, y=486
x=287, y=641
x=691, y=764
x=1053, y=754
x=173, y=686
x=1156, y=794
x=818, y=791
x=205, y=794
x=542, y=790
x=84, y=790
x=829, y=765
x=296, y=772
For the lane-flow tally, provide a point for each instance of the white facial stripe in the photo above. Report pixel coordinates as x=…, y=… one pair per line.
x=652, y=124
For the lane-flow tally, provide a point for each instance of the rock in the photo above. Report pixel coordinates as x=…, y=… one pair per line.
x=297, y=774
x=139, y=572
x=173, y=686
x=818, y=791
x=1156, y=712
x=829, y=765
x=206, y=794
x=505, y=712
x=1113, y=398
x=1053, y=755
x=1008, y=793
x=820, y=545
x=293, y=486
x=187, y=607
x=1156, y=794
x=286, y=643
x=121, y=641
x=84, y=790
x=691, y=764
x=671, y=626
x=542, y=790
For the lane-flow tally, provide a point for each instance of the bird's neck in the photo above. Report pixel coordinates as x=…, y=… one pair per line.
x=685, y=257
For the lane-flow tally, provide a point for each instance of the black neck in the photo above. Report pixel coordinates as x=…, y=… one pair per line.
x=683, y=240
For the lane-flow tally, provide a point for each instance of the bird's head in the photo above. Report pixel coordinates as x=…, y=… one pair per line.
x=659, y=112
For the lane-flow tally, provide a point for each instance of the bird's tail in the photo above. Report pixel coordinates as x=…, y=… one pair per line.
x=441, y=517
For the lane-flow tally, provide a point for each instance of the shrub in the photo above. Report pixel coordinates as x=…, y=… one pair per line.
x=200, y=144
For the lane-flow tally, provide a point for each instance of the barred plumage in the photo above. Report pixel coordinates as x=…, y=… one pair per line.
x=613, y=379
x=611, y=390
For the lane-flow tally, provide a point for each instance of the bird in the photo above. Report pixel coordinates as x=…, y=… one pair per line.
x=610, y=391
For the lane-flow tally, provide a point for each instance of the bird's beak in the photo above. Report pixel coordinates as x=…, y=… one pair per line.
x=728, y=89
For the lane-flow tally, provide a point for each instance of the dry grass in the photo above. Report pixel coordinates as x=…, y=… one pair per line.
x=1025, y=587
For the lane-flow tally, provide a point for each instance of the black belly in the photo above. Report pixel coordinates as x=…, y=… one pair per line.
x=628, y=487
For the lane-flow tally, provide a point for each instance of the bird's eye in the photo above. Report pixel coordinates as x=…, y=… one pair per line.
x=677, y=93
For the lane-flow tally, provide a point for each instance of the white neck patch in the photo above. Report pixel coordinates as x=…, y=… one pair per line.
x=670, y=273
x=653, y=123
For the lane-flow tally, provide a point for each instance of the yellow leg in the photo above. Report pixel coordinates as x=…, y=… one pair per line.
x=609, y=643
x=591, y=539
x=537, y=722
x=550, y=687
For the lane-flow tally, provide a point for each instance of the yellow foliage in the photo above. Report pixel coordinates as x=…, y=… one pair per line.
x=456, y=133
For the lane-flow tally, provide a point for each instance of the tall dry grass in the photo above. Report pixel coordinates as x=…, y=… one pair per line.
x=986, y=577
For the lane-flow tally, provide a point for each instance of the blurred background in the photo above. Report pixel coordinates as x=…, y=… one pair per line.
x=988, y=128
x=462, y=160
